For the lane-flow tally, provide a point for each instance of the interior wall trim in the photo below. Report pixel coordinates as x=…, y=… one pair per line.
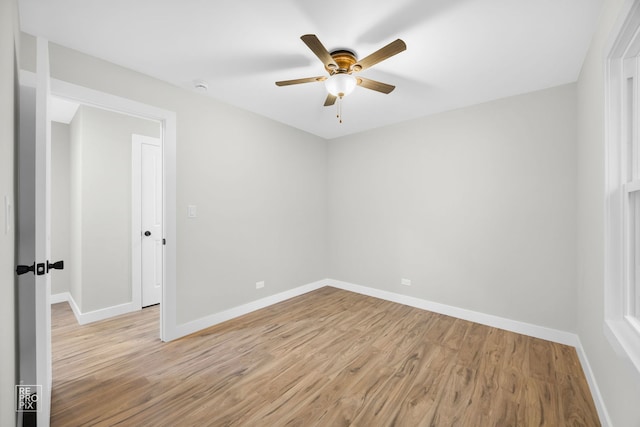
x=542, y=332
x=598, y=399
x=61, y=297
x=213, y=319
x=536, y=331
x=96, y=315
x=167, y=118
x=529, y=329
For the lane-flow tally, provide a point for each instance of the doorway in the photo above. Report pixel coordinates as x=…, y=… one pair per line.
x=110, y=172
x=41, y=124
x=167, y=124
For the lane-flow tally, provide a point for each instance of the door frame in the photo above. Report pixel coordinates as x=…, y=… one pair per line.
x=33, y=237
x=136, y=219
x=167, y=119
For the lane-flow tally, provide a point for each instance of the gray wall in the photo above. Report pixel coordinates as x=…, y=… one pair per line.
x=60, y=205
x=475, y=206
x=8, y=108
x=102, y=185
x=618, y=380
x=260, y=188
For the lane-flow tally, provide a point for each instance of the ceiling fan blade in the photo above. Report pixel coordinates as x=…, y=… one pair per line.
x=374, y=85
x=331, y=99
x=380, y=55
x=298, y=81
x=321, y=52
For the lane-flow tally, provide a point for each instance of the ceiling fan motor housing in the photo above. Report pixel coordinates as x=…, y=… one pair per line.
x=341, y=64
x=345, y=60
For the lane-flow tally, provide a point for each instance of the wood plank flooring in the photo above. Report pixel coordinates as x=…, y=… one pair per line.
x=326, y=358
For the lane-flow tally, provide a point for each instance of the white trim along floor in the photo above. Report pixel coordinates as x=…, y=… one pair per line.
x=529, y=329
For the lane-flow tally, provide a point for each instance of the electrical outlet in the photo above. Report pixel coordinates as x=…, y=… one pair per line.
x=405, y=282
x=260, y=285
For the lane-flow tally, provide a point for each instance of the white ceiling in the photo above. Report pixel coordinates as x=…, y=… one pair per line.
x=459, y=52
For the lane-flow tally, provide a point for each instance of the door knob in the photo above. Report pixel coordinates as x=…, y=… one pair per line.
x=23, y=269
x=55, y=265
x=147, y=233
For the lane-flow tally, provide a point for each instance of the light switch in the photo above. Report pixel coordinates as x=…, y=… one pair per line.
x=192, y=212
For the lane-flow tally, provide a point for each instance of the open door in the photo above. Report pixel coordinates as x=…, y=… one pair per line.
x=147, y=203
x=33, y=227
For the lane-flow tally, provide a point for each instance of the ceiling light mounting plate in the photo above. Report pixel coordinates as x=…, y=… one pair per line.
x=341, y=64
x=345, y=59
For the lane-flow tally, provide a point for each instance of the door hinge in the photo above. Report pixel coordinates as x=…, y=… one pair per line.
x=164, y=241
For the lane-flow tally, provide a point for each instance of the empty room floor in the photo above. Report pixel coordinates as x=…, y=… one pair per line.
x=327, y=358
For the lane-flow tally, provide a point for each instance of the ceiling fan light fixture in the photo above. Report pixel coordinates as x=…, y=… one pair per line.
x=340, y=64
x=340, y=84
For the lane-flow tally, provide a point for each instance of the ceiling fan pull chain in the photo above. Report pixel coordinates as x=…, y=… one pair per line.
x=341, y=64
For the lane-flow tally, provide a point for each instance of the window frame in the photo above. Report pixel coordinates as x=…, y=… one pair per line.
x=622, y=178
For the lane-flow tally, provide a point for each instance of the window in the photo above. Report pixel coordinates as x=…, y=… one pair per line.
x=630, y=184
x=622, y=186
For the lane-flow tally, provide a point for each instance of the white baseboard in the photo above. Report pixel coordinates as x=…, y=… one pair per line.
x=554, y=335
x=549, y=334
x=75, y=308
x=605, y=420
x=93, y=316
x=223, y=316
x=105, y=313
x=529, y=329
x=193, y=326
x=61, y=297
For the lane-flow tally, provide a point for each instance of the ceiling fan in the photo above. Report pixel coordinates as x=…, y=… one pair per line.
x=341, y=64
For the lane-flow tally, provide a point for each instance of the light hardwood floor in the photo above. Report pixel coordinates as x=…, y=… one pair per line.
x=326, y=358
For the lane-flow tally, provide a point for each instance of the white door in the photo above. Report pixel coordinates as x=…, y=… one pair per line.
x=150, y=199
x=33, y=212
